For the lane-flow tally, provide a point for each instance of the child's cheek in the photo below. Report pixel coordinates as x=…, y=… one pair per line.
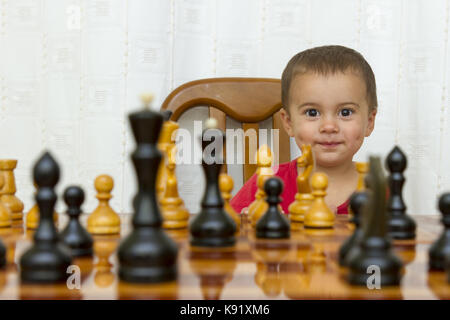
x=355, y=137
x=304, y=135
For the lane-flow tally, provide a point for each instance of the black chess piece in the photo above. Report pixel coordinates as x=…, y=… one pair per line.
x=447, y=267
x=273, y=224
x=350, y=247
x=375, y=246
x=441, y=247
x=47, y=260
x=147, y=254
x=75, y=236
x=166, y=114
x=401, y=225
x=2, y=254
x=212, y=226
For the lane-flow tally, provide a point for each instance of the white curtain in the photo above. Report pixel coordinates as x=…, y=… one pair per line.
x=71, y=70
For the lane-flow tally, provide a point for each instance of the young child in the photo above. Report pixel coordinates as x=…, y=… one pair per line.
x=329, y=101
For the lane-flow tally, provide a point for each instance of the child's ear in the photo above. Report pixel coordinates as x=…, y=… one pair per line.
x=371, y=122
x=287, y=123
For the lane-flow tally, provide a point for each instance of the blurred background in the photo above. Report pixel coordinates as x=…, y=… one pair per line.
x=71, y=70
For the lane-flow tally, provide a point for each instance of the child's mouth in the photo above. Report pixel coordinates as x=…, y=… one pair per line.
x=329, y=145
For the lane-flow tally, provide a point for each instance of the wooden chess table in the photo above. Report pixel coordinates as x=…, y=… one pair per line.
x=302, y=267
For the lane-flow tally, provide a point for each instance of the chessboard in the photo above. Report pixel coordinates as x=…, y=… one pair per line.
x=302, y=267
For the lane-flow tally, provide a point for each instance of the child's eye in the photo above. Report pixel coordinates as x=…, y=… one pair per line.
x=346, y=112
x=312, y=112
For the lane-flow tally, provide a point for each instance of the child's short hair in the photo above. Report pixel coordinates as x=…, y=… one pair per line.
x=329, y=60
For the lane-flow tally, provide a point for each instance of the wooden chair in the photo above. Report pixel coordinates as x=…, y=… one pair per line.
x=247, y=100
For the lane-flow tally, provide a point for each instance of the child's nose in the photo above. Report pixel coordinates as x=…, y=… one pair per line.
x=329, y=125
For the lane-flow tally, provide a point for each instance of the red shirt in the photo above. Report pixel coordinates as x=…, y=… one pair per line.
x=286, y=172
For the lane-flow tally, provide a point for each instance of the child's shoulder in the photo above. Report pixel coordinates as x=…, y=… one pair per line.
x=286, y=169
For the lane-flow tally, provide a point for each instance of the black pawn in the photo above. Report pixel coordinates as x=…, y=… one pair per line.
x=147, y=254
x=46, y=261
x=375, y=245
x=273, y=224
x=401, y=226
x=441, y=247
x=212, y=226
x=351, y=245
x=75, y=236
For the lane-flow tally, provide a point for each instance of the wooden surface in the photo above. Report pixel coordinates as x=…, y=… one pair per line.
x=254, y=269
x=247, y=100
x=244, y=99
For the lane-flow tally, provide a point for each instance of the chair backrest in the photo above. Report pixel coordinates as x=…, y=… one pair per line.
x=247, y=100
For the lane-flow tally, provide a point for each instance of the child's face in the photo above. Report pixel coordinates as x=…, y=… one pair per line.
x=330, y=113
